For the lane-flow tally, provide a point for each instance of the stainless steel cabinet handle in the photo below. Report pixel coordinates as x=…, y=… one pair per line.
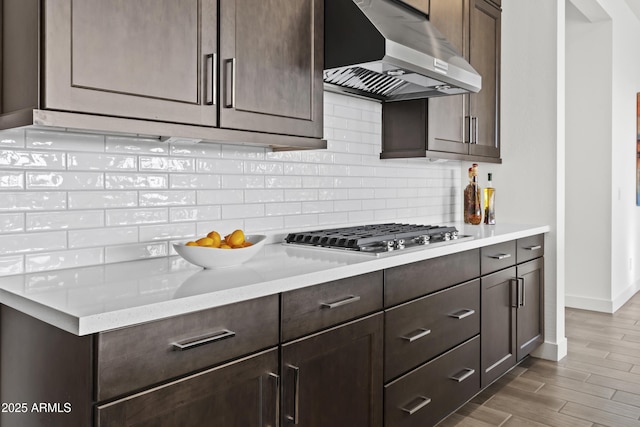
x=463, y=375
x=534, y=248
x=469, y=129
x=349, y=300
x=500, y=256
x=515, y=292
x=276, y=380
x=296, y=395
x=521, y=298
x=422, y=402
x=211, y=76
x=421, y=333
x=207, y=339
x=230, y=86
x=461, y=314
x=475, y=130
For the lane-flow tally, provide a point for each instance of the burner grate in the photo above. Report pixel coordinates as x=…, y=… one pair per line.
x=366, y=237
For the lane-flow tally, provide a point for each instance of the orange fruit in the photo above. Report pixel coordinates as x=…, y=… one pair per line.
x=191, y=244
x=205, y=241
x=236, y=238
x=225, y=246
x=215, y=236
x=246, y=244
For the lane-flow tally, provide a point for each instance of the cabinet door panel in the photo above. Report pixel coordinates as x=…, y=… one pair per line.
x=272, y=65
x=530, y=311
x=446, y=124
x=142, y=59
x=498, y=330
x=484, y=56
x=335, y=378
x=240, y=394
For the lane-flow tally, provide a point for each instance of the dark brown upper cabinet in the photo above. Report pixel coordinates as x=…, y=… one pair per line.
x=463, y=127
x=216, y=70
x=271, y=65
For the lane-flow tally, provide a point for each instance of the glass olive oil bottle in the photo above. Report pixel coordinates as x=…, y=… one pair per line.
x=490, y=202
x=472, y=203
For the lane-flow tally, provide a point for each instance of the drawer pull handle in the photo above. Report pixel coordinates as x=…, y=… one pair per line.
x=466, y=312
x=534, y=248
x=295, y=418
x=276, y=381
x=350, y=299
x=421, y=334
x=197, y=342
x=423, y=401
x=500, y=256
x=463, y=375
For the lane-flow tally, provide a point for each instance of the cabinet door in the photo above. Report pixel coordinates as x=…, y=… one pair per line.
x=271, y=65
x=240, y=394
x=484, y=56
x=335, y=378
x=498, y=324
x=447, y=114
x=530, y=306
x=148, y=59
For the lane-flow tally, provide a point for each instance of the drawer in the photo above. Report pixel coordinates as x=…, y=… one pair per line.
x=135, y=357
x=318, y=307
x=420, y=330
x=431, y=392
x=529, y=248
x=410, y=281
x=498, y=256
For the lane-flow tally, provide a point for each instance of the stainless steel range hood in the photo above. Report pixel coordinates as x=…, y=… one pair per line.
x=386, y=50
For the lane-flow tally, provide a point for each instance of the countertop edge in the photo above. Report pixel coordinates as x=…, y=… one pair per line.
x=102, y=322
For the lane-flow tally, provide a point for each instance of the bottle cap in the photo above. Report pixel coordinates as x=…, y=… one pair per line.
x=490, y=176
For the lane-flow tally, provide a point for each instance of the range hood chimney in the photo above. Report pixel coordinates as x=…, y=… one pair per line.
x=389, y=51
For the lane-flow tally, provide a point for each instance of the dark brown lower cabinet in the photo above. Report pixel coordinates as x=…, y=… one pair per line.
x=530, y=318
x=238, y=394
x=334, y=378
x=512, y=317
x=429, y=393
x=498, y=325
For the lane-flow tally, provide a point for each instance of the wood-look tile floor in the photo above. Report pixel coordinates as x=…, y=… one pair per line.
x=597, y=384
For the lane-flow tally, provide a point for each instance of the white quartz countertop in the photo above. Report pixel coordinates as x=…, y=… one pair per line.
x=100, y=298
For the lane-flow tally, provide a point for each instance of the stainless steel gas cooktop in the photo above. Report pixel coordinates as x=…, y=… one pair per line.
x=378, y=239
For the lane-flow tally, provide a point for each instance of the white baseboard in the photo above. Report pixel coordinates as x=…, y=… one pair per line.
x=602, y=305
x=551, y=351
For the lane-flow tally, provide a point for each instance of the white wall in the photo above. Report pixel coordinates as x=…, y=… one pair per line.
x=530, y=181
x=603, y=76
x=69, y=200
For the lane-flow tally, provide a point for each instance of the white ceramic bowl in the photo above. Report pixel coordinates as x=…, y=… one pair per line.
x=221, y=258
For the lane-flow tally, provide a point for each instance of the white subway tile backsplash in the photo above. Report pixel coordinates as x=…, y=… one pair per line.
x=102, y=199
x=124, y=144
x=11, y=180
x=137, y=251
x=29, y=201
x=102, y=237
x=32, y=242
x=11, y=223
x=10, y=265
x=63, y=220
x=243, y=211
x=63, y=259
x=167, y=198
x=115, y=217
x=196, y=213
x=195, y=181
x=75, y=199
x=130, y=181
x=14, y=159
x=13, y=138
x=64, y=141
x=263, y=196
x=102, y=162
x=171, y=231
x=65, y=181
x=166, y=164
